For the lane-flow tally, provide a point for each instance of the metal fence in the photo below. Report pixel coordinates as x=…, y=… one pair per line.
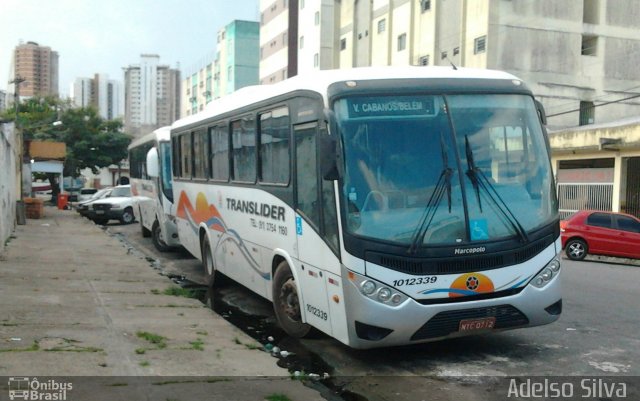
x=580, y=196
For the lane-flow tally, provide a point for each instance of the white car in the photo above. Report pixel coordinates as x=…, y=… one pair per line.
x=118, y=205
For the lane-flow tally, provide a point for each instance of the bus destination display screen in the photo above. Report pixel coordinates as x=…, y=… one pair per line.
x=389, y=106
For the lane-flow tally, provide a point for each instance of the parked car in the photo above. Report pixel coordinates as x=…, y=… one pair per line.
x=86, y=194
x=600, y=233
x=83, y=206
x=118, y=205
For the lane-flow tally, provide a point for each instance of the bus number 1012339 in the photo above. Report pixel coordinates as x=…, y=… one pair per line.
x=415, y=281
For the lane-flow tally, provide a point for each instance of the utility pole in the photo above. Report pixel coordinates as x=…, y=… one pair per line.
x=20, y=208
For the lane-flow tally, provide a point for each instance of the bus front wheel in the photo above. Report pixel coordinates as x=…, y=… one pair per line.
x=286, y=303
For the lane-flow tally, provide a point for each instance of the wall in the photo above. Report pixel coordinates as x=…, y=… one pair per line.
x=8, y=184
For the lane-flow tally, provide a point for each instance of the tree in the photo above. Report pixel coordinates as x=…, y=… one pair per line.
x=92, y=142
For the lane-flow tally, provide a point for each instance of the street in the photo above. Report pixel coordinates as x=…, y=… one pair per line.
x=596, y=335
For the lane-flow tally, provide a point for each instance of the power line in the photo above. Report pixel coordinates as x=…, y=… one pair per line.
x=594, y=106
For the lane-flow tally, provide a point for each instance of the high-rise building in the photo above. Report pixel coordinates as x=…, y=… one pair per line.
x=38, y=67
x=101, y=93
x=152, y=95
x=579, y=58
x=234, y=66
x=3, y=100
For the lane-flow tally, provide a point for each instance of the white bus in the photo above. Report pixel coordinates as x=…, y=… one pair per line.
x=381, y=206
x=151, y=184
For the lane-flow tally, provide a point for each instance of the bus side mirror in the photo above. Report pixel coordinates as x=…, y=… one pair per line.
x=153, y=169
x=541, y=114
x=329, y=148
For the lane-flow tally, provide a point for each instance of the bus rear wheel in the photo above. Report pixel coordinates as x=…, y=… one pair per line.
x=157, y=238
x=286, y=302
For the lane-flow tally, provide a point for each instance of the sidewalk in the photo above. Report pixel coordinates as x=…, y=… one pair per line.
x=73, y=302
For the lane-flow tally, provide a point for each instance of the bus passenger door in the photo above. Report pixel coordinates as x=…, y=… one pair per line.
x=311, y=247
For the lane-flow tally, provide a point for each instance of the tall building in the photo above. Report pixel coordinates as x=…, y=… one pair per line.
x=237, y=60
x=234, y=66
x=38, y=66
x=579, y=58
x=101, y=93
x=3, y=100
x=152, y=95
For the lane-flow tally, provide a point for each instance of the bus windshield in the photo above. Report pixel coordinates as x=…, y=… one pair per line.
x=452, y=169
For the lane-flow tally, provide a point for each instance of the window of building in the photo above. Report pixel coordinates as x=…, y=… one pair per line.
x=425, y=5
x=424, y=60
x=402, y=42
x=219, y=153
x=443, y=55
x=243, y=139
x=382, y=25
x=343, y=43
x=456, y=51
x=316, y=18
x=480, y=44
x=301, y=42
x=589, y=45
x=590, y=11
x=274, y=146
x=587, y=113
x=316, y=60
x=301, y=4
x=284, y=38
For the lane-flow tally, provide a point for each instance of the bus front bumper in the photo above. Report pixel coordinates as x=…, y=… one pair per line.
x=373, y=324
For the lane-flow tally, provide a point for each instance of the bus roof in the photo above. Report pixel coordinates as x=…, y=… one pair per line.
x=319, y=81
x=160, y=134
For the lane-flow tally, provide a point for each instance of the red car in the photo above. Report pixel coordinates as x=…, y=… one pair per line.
x=600, y=233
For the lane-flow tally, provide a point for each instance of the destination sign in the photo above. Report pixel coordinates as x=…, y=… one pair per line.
x=384, y=106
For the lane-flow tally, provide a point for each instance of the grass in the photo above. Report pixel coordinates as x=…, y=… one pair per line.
x=141, y=351
x=202, y=333
x=180, y=292
x=144, y=363
x=197, y=345
x=277, y=397
x=34, y=347
x=155, y=339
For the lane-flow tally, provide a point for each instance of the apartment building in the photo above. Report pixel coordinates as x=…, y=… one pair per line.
x=38, y=67
x=100, y=92
x=234, y=66
x=580, y=58
x=152, y=95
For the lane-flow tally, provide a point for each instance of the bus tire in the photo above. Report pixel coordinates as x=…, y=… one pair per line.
x=156, y=238
x=208, y=264
x=146, y=233
x=286, y=303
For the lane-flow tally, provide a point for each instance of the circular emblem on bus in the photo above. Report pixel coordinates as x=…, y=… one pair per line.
x=472, y=283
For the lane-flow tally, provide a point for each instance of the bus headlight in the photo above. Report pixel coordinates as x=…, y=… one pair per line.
x=377, y=291
x=384, y=294
x=545, y=275
x=368, y=287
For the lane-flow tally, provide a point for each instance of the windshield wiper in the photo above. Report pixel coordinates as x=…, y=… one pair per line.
x=480, y=181
x=443, y=185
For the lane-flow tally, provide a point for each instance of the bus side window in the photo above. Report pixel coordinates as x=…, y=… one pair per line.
x=219, y=153
x=243, y=137
x=307, y=172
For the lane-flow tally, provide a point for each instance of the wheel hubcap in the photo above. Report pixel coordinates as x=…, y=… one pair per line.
x=289, y=302
x=576, y=250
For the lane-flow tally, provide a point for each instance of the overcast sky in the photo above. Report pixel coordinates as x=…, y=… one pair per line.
x=102, y=36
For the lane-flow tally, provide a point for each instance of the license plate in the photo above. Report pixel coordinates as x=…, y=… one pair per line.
x=486, y=323
x=99, y=211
